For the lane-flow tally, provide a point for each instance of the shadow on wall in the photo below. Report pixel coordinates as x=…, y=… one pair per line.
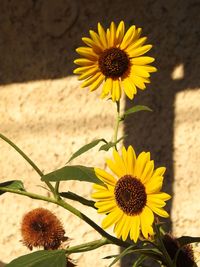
x=38, y=39
x=2, y=264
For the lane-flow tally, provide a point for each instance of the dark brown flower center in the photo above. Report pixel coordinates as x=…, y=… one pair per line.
x=39, y=226
x=114, y=62
x=130, y=195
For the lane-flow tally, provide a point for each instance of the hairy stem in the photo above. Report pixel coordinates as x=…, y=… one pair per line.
x=27, y=159
x=65, y=205
x=88, y=246
x=117, y=122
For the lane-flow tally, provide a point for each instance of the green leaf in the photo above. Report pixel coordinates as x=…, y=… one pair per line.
x=138, y=262
x=121, y=255
x=149, y=252
x=107, y=146
x=184, y=240
x=85, y=148
x=44, y=258
x=82, y=200
x=14, y=184
x=76, y=172
x=135, y=109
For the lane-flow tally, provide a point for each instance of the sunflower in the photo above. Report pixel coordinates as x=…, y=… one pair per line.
x=115, y=56
x=131, y=195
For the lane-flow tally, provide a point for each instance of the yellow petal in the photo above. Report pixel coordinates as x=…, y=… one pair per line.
x=137, y=34
x=102, y=35
x=91, y=79
x=159, y=171
x=140, y=51
x=140, y=71
x=96, y=39
x=120, y=32
x=83, y=62
x=138, y=81
x=112, y=34
x=116, y=90
x=106, y=206
x=112, y=218
x=124, y=157
x=129, y=87
x=163, y=196
x=141, y=162
x=135, y=228
x=153, y=201
x=88, y=41
x=126, y=228
x=148, y=171
x=108, y=37
x=149, y=69
x=89, y=73
x=157, y=200
x=87, y=52
x=159, y=211
x=146, y=220
x=119, y=161
x=83, y=69
x=104, y=195
x=136, y=44
x=131, y=159
x=154, y=185
x=100, y=187
x=127, y=37
x=105, y=177
x=114, y=168
x=97, y=82
x=118, y=229
x=142, y=60
x=107, y=87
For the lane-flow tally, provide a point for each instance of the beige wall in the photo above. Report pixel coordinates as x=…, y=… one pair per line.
x=43, y=110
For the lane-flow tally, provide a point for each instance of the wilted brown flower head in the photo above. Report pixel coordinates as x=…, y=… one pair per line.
x=41, y=228
x=185, y=256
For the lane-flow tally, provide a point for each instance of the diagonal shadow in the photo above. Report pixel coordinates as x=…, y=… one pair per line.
x=38, y=39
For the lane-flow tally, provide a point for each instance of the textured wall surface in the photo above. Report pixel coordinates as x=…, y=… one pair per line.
x=43, y=110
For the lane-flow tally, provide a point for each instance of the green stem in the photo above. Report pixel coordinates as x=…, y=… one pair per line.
x=57, y=195
x=27, y=159
x=162, y=248
x=88, y=246
x=60, y=202
x=117, y=122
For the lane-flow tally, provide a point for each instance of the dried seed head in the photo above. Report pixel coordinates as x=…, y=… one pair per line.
x=185, y=257
x=41, y=228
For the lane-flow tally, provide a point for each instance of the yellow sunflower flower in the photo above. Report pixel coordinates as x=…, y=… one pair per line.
x=115, y=56
x=131, y=195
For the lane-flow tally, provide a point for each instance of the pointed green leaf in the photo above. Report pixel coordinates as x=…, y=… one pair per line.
x=82, y=200
x=149, y=252
x=76, y=172
x=121, y=255
x=135, y=109
x=44, y=258
x=14, y=184
x=110, y=256
x=138, y=262
x=85, y=148
x=109, y=145
x=184, y=240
